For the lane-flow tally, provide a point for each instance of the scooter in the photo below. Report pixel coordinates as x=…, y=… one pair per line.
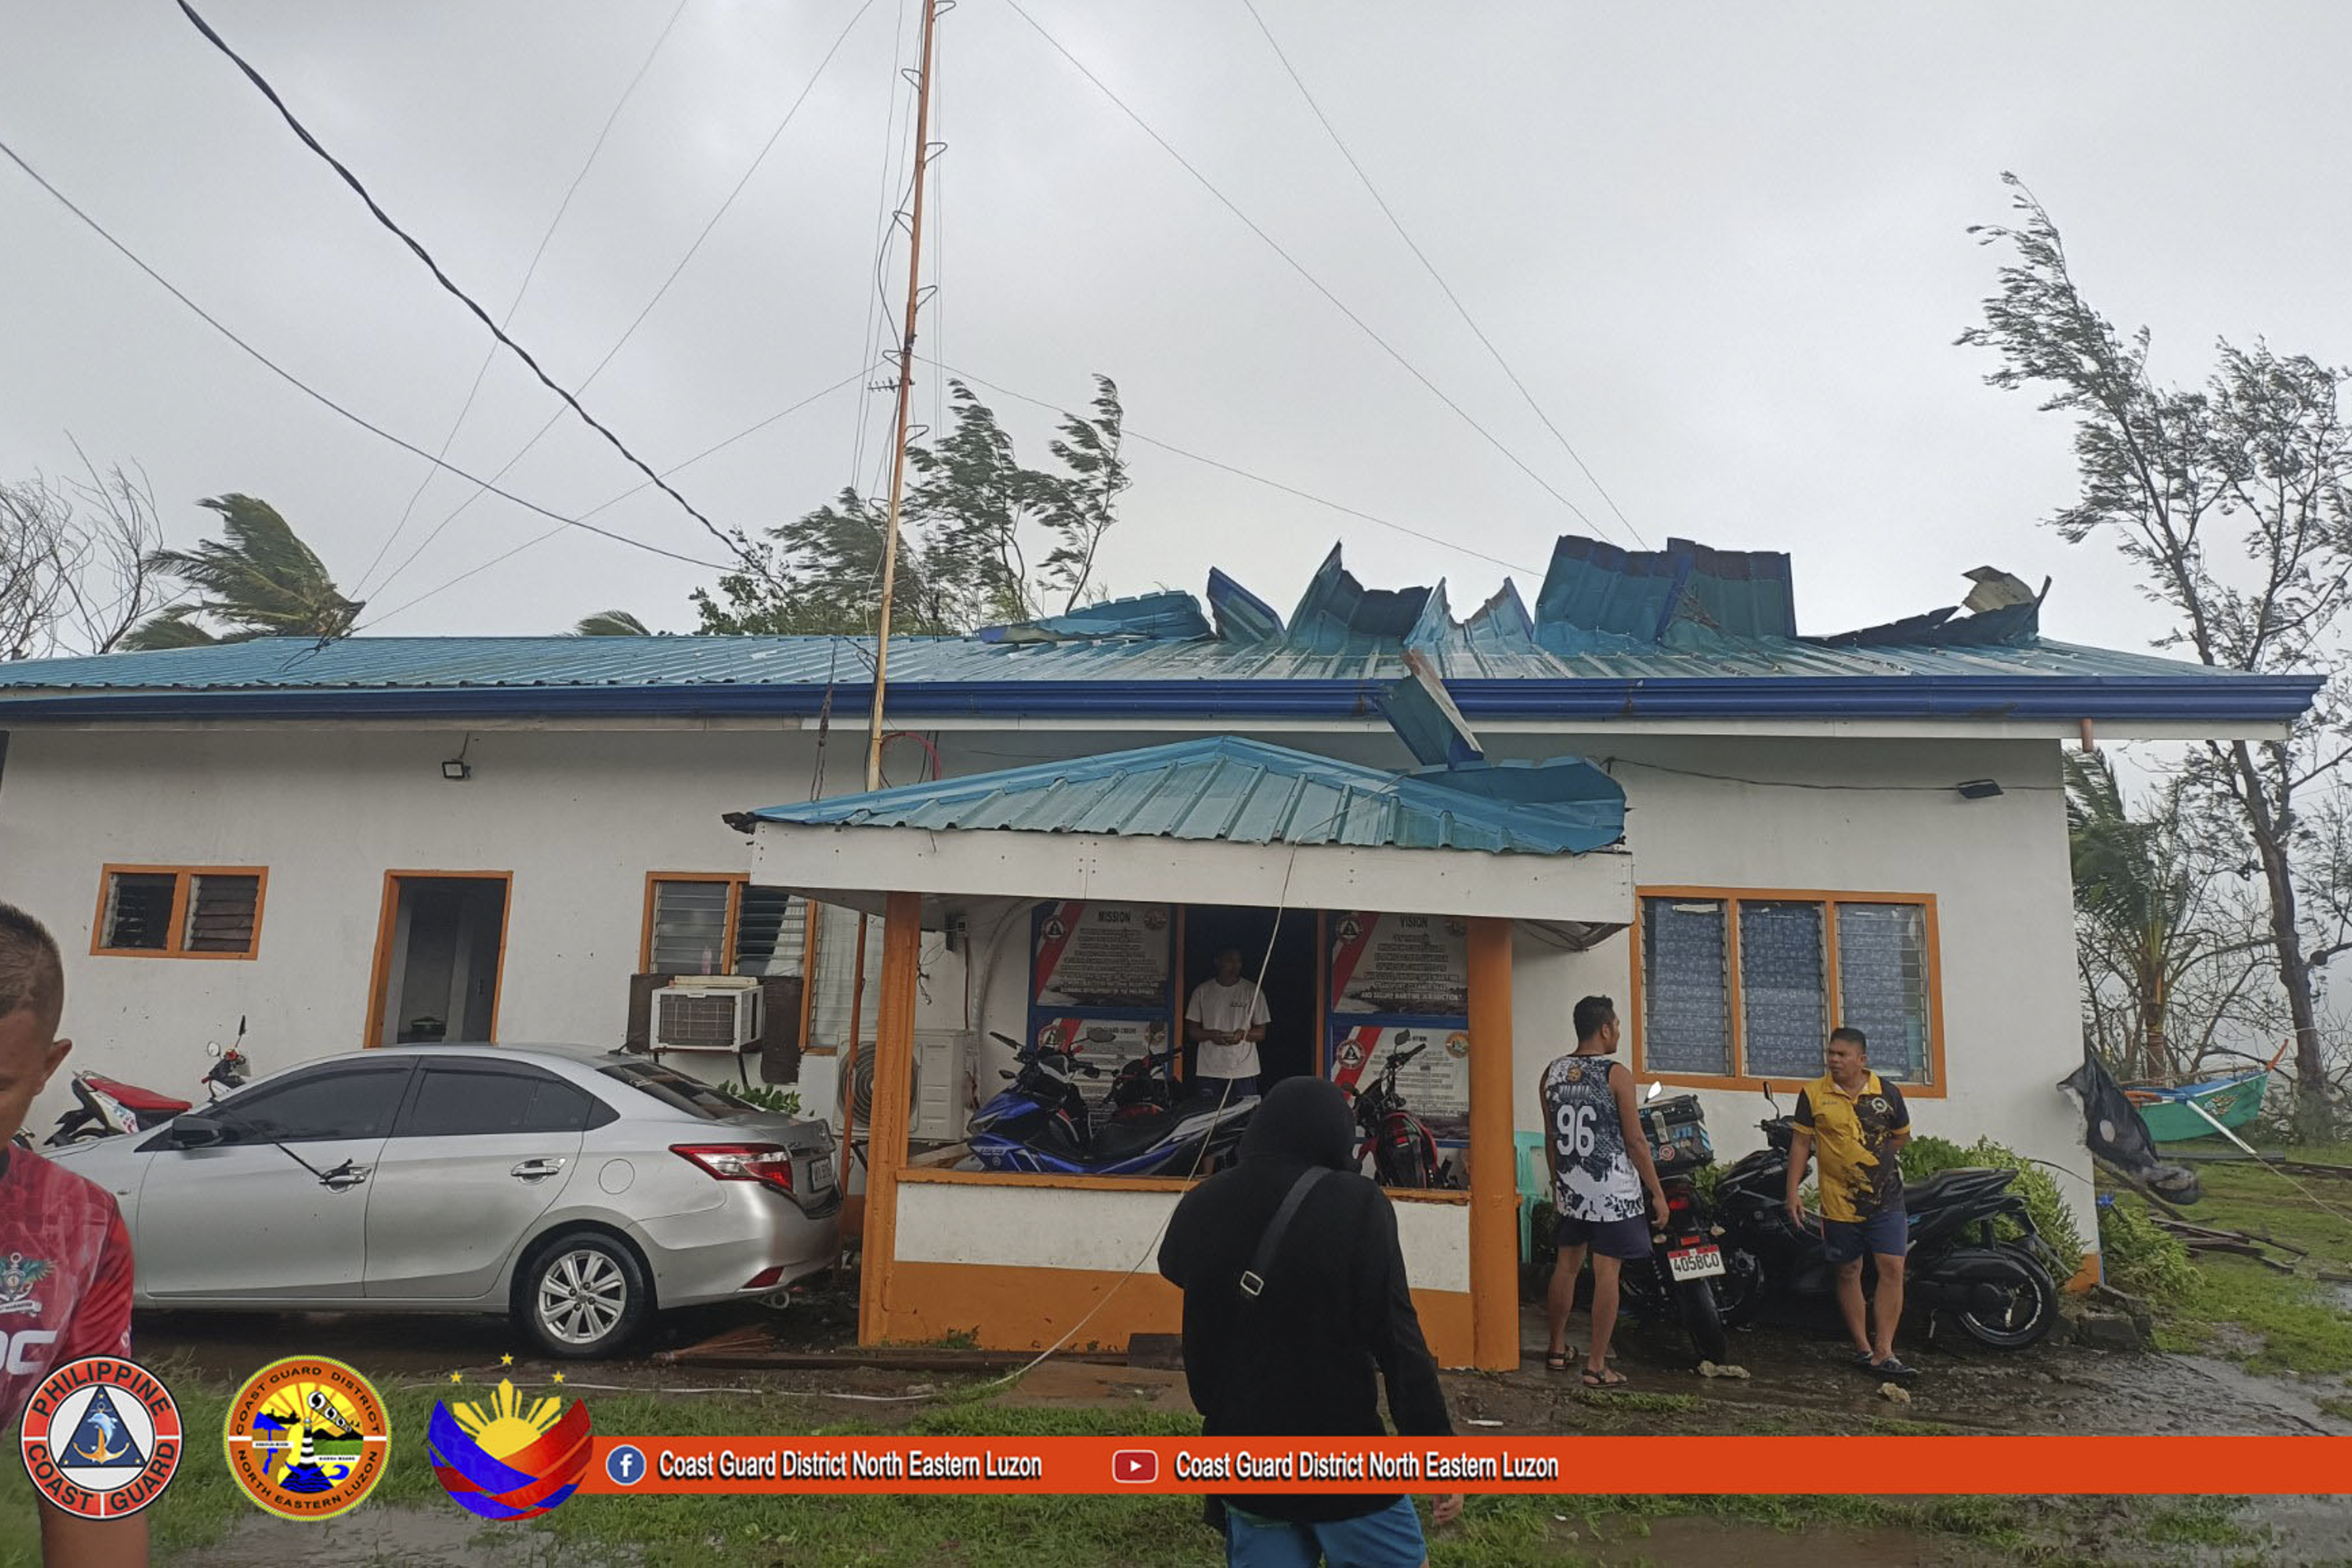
x=1403, y=1151
x=1999, y=1290
x=1040, y=1122
x=1689, y=1273
x=107, y=1107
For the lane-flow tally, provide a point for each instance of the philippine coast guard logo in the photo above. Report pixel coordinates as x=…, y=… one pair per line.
x=102, y=1436
x=18, y=1275
x=306, y=1437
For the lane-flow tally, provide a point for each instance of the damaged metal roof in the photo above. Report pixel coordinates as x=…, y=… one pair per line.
x=1684, y=632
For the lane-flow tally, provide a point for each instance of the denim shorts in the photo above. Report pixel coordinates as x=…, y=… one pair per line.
x=1388, y=1539
x=1886, y=1234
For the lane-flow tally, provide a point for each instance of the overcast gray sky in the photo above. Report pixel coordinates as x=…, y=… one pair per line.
x=1724, y=245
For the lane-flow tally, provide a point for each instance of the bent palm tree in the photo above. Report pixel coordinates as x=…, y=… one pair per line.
x=260, y=580
x=611, y=623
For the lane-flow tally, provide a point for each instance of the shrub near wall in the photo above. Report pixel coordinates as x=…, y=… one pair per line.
x=1923, y=1158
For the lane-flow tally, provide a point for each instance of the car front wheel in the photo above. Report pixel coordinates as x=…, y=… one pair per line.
x=583, y=1296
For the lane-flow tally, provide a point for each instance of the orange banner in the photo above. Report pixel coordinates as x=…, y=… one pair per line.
x=1671, y=1466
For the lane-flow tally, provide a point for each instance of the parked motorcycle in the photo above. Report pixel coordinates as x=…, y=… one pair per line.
x=107, y=1107
x=1689, y=1273
x=1403, y=1151
x=1041, y=1121
x=1999, y=1290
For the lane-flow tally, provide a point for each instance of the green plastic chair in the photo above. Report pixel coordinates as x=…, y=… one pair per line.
x=1534, y=1185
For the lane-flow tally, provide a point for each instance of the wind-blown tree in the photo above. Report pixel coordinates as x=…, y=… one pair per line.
x=259, y=580
x=75, y=574
x=983, y=538
x=2230, y=504
x=611, y=623
x=2168, y=947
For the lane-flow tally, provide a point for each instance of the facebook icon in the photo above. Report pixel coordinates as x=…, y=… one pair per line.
x=626, y=1465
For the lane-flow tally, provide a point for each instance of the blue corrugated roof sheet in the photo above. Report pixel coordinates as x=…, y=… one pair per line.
x=1246, y=791
x=1682, y=632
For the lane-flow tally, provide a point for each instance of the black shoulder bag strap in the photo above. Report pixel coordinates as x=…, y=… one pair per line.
x=1253, y=1277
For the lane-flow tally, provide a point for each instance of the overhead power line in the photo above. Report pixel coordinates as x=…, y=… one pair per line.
x=712, y=450
x=1133, y=434
x=442, y=277
x=1438, y=278
x=1296, y=266
x=659, y=294
x=312, y=393
x=522, y=288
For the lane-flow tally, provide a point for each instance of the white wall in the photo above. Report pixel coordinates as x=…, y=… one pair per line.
x=1119, y=1231
x=2004, y=907
x=579, y=818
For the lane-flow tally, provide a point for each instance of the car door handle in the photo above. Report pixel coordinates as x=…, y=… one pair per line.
x=344, y=1179
x=536, y=1170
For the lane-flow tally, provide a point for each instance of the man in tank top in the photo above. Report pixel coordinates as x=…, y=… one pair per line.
x=1600, y=1169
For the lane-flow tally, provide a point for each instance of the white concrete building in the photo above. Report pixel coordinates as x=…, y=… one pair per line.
x=412, y=838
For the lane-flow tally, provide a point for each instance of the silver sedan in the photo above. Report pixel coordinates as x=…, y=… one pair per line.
x=577, y=1190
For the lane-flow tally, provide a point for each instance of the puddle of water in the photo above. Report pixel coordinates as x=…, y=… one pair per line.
x=408, y=1537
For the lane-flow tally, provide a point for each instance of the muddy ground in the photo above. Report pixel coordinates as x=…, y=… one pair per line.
x=1799, y=1382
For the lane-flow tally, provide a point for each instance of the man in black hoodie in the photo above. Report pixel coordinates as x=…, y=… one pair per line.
x=1304, y=1357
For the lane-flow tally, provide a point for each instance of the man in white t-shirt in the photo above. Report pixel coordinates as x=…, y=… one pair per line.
x=1226, y=1017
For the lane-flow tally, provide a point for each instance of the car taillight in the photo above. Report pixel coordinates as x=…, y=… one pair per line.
x=769, y=1163
x=765, y=1278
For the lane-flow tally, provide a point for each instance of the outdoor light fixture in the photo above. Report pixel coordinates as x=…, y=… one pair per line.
x=1977, y=788
x=458, y=769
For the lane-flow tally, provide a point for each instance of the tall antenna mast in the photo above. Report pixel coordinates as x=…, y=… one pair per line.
x=905, y=402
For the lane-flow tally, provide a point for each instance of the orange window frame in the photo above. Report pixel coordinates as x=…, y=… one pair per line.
x=1735, y=1012
x=185, y=876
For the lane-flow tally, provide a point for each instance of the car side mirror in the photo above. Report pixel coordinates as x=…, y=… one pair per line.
x=197, y=1133
x=211, y=1048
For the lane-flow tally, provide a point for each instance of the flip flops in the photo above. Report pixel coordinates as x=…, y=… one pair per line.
x=1895, y=1370
x=1556, y=1361
x=1607, y=1380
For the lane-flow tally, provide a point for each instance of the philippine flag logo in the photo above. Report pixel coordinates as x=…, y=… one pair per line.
x=503, y=1461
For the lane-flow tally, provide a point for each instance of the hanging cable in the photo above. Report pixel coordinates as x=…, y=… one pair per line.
x=490, y=356
x=1431, y=267
x=1241, y=473
x=635, y=489
x=313, y=393
x=621, y=342
x=1297, y=267
x=385, y=218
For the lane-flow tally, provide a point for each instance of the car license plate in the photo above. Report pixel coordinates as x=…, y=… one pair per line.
x=1696, y=1262
x=821, y=1171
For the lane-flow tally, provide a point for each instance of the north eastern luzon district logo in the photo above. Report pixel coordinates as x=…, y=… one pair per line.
x=101, y=1438
x=509, y=1458
x=306, y=1437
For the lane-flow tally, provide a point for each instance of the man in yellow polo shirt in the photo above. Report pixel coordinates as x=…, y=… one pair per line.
x=1857, y=1126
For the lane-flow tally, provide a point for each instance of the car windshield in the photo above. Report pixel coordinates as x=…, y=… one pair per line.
x=678, y=1092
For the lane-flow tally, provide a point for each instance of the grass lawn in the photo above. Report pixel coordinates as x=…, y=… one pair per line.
x=2297, y=1324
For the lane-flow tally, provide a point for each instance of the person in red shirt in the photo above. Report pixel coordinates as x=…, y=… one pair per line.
x=65, y=1256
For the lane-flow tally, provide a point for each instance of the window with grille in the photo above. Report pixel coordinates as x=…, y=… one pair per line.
x=721, y=925
x=1746, y=986
x=175, y=912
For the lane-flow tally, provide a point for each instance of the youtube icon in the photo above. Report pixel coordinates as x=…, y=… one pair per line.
x=1136, y=1466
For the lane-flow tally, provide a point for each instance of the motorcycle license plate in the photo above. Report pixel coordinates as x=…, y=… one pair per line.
x=821, y=1171
x=1696, y=1262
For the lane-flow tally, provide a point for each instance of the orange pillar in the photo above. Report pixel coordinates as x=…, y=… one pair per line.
x=1494, y=1173
x=894, y=1092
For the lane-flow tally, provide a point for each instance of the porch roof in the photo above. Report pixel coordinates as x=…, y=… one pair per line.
x=1246, y=791
x=1223, y=820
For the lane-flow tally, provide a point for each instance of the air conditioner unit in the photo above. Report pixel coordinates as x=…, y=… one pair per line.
x=706, y=1017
